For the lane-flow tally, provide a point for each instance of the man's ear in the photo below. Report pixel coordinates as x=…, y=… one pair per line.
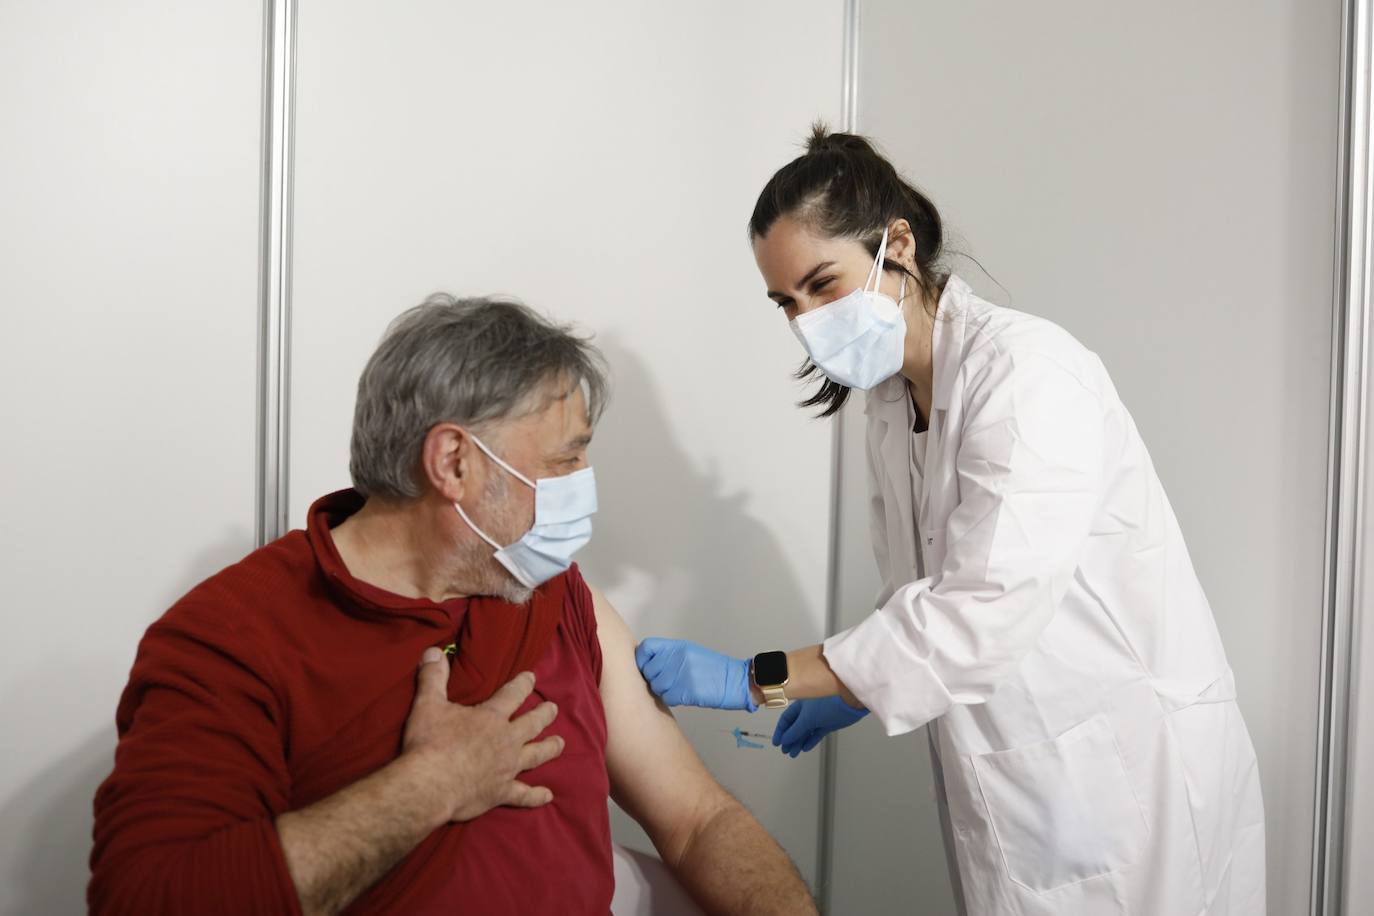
x=446, y=461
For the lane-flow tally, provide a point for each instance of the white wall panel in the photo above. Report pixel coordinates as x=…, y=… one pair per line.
x=1161, y=183
x=128, y=264
x=600, y=161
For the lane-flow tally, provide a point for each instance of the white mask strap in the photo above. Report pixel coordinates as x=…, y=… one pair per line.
x=478, y=531
x=877, y=263
x=492, y=455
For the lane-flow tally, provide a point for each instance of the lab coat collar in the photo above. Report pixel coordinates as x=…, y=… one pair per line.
x=947, y=352
x=947, y=345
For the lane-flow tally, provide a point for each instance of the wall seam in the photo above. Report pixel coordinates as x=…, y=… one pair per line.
x=825, y=864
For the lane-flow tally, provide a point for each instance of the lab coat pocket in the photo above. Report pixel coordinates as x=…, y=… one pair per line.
x=1062, y=810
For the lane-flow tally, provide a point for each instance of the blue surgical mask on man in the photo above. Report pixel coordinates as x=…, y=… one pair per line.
x=563, y=510
x=857, y=341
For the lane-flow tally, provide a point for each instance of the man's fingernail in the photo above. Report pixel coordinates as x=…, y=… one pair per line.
x=432, y=654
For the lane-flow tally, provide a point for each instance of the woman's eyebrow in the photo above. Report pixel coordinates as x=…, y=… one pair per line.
x=774, y=294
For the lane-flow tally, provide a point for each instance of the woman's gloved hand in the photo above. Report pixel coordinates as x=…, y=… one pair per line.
x=805, y=722
x=686, y=674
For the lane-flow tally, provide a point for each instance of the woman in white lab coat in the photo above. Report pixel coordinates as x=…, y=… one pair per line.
x=1038, y=609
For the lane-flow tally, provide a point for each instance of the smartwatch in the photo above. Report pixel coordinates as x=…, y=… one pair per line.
x=770, y=674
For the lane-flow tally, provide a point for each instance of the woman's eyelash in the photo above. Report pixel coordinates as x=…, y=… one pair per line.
x=815, y=288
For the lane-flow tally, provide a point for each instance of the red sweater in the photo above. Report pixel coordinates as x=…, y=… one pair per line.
x=283, y=679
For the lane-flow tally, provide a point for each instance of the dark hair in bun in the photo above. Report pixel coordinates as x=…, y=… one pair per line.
x=844, y=188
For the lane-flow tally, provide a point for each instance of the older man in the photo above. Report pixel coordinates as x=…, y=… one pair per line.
x=278, y=752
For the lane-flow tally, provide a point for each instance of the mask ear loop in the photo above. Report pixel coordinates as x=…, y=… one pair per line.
x=877, y=264
x=521, y=477
x=492, y=455
x=475, y=530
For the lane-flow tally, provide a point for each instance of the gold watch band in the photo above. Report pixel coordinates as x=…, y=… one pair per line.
x=774, y=697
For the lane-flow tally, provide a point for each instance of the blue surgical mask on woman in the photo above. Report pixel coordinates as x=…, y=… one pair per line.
x=563, y=510
x=857, y=341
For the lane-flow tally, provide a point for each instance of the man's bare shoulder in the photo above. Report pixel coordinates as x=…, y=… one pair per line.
x=646, y=752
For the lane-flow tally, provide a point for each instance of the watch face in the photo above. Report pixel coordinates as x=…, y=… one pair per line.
x=770, y=668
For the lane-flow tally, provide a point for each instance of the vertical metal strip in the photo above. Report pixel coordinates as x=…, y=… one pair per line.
x=274, y=267
x=825, y=860
x=1350, y=380
x=849, y=98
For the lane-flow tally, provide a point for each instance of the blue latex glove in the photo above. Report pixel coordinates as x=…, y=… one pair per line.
x=805, y=722
x=686, y=674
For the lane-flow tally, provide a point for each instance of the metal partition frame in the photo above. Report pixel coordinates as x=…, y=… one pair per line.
x=1346, y=508
x=274, y=318
x=849, y=118
x=274, y=268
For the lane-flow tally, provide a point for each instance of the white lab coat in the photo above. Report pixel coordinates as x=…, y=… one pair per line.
x=1093, y=758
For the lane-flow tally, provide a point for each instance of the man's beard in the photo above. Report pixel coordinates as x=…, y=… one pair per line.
x=476, y=562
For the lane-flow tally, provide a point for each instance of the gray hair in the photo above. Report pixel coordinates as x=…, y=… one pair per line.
x=473, y=362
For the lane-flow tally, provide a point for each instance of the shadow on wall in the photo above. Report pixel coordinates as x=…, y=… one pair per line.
x=46, y=839
x=681, y=557
x=49, y=823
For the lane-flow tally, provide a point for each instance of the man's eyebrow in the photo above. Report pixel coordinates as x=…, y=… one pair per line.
x=580, y=442
x=774, y=294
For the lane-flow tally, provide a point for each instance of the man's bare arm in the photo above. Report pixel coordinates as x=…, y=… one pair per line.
x=719, y=852
x=457, y=762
